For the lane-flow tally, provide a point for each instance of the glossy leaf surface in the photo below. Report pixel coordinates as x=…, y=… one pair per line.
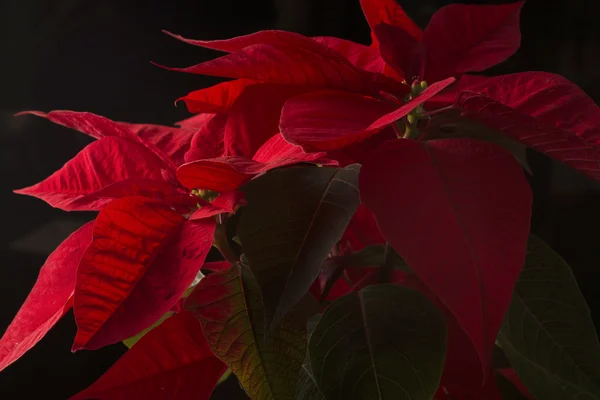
x=548, y=334
x=383, y=342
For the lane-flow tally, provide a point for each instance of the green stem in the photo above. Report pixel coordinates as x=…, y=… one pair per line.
x=387, y=264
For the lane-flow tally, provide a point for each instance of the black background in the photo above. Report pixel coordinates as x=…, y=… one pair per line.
x=95, y=56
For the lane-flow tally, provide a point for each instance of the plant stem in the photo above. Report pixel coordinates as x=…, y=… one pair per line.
x=387, y=264
x=222, y=244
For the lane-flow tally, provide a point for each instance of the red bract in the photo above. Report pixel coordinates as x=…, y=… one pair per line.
x=125, y=161
x=442, y=215
x=142, y=259
x=462, y=233
x=543, y=111
x=331, y=120
x=459, y=38
x=50, y=298
x=173, y=361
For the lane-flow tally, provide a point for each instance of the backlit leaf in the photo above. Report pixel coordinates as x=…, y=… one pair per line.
x=383, y=342
x=173, y=361
x=142, y=259
x=229, y=307
x=50, y=298
x=293, y=218
x=548, y=334
x=102, y=163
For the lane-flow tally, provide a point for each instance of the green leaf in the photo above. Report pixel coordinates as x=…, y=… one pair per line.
x=383, y=342
x=134, y=339
x=293, y=218
x=548, y=334
x=229, y=307
x=225, y=376
x=306, y=387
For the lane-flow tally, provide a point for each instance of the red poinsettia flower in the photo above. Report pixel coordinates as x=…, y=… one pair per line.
x=352, y=77
x=146, y=245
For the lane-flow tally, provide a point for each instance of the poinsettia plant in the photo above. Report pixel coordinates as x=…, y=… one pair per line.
x=337, y=221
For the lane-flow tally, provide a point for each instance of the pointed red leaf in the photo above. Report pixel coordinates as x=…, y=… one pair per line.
x=98, y=127
x=544, y=111
x=330, y=120
x=93, y=125
x=172, y=141
x=462, y=38
x=217, y=98
x=290, y=59
x=388, y=12
x=143, y=258
x=100, y=164
x=172, y=361
x=208, y=141
x=238, y=43
x=463, y=229
x=50, y=298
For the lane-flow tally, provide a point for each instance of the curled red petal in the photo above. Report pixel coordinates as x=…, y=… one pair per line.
x=171, y=361
x=102, y=163
x=142, y=259
x=50, y=298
